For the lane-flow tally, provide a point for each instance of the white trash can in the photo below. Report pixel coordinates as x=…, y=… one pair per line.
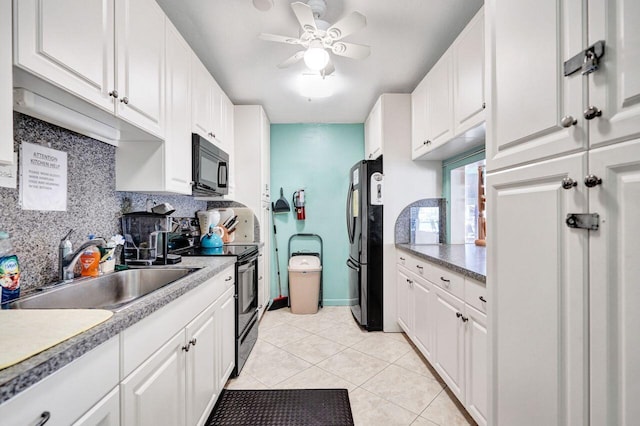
x=304, y=284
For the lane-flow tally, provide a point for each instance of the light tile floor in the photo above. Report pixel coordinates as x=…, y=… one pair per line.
x=389, y=382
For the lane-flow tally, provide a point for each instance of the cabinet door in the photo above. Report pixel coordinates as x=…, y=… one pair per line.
x=201, y=98
x=615, y=87
x=201, y=382
x=403, y=291
x=419, y=144
x=6, y=97
x=528, y=94
x=614, y=293
x=140, y=67
x=216, y=114
x=538, y=290
x=154, y=393
x=449, y=341
x=468, y=76
x=178, y=108
x=439, y=124
x=423, y=321
x=226, y=353
x=104, y=413
x=373, y=132
x=476, y=366
x=69, y=43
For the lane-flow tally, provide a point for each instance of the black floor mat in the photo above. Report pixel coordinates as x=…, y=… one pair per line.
x=287, y=407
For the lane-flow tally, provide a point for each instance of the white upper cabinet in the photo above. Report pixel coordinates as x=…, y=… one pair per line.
x=6, y=107
x=468, y=76
x=69, y=43
x=528, y=94
x=140, y=61
x=447, y=106
x=109, y=53
x=373, y=131
x=614, y=88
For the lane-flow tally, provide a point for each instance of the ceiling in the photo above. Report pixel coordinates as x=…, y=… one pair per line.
x=406, y=37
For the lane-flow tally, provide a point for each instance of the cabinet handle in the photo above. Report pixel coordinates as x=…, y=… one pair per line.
x=44, y=418
x=114, y=94
x=592, y=180
x=464, y=319
x=420, y=267
x=568, y=121
x=446, y=282
x=592, y=112
x=229, y=278
x=484, y=105
x=458, y=314
x=402, y=258
x=427, y=142
x=482, y=299
x=186, y=348
x=125, y=100
x=568, y=183
x=193, y=341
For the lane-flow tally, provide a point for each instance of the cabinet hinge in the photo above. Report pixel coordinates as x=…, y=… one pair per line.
x=587, y=60
x=590, y=221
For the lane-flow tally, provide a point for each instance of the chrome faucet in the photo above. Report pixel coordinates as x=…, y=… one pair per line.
x=68, y=262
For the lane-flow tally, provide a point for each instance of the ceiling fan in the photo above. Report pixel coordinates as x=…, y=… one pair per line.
x=318, y=37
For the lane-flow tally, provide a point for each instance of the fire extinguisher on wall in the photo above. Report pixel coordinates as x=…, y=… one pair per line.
x=298, y=203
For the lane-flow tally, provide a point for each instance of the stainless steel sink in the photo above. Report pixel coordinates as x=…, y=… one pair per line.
x=114, y=291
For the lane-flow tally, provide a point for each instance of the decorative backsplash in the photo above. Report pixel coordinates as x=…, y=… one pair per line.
x=93, y=204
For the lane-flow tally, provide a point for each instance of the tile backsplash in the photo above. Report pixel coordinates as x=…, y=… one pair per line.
x=93, y=204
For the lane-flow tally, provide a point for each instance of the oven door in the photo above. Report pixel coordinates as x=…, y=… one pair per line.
x=247, y=293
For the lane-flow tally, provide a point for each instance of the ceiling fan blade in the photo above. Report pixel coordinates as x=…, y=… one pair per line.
x=351, y=50
x=279, y=38
x=347, y=25
x=292, y=60
x=305, y=16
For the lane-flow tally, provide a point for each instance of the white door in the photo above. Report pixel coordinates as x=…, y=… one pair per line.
x=439, y=125
x=449, y=340
x=201, y=99
x=468, y=76
x=476, y=366
x=423, y=321
x=538, y=291
x=403, y=291
x=201, y=382
x=528, y=94
x=69, y=43
x=419, y=143
x=615, y=87
x=614, y=292
x=154, y=394
x=226, y=337
x=140, y=64
x=178, y=109
x=105, y=413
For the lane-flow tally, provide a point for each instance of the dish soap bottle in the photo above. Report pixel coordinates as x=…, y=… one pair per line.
x=9, y=270
x=90, y=260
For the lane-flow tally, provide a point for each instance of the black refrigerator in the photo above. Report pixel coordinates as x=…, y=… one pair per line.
x=364, y=229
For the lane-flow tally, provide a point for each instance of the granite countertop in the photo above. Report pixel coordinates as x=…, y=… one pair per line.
x=19, y=377
x=467, y=259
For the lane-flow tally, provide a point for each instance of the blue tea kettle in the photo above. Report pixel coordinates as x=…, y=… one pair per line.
x=213, y=239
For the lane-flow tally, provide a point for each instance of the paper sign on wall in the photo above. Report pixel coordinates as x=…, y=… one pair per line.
x=43, y=178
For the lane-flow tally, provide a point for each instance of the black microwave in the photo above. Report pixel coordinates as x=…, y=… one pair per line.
x=210, y=168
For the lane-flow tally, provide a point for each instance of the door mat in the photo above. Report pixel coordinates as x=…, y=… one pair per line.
x=274, y=407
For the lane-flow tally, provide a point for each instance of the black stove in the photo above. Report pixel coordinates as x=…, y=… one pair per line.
x=241, y=251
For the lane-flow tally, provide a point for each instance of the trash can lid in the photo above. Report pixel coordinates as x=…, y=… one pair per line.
x=304, y=263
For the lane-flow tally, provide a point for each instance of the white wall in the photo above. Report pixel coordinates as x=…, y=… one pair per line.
x=405, y=182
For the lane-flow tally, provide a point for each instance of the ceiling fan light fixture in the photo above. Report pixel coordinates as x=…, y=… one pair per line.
x=263, y=5
x=316, y=57
x=316, y=86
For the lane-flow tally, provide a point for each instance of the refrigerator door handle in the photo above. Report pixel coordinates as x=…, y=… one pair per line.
x=351, y=264
x=350, y=218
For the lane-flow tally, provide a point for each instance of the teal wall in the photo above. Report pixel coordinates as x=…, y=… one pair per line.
x=467, y=157
x=316, y=158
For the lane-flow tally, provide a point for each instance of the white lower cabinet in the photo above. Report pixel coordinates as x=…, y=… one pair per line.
x=226, y=338
x=447, y=323
x=75, y=393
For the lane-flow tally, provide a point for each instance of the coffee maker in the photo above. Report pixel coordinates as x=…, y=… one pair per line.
x=146, y=239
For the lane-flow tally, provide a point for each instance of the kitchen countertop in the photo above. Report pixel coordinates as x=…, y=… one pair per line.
x=19, y=377
x=467, y=259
